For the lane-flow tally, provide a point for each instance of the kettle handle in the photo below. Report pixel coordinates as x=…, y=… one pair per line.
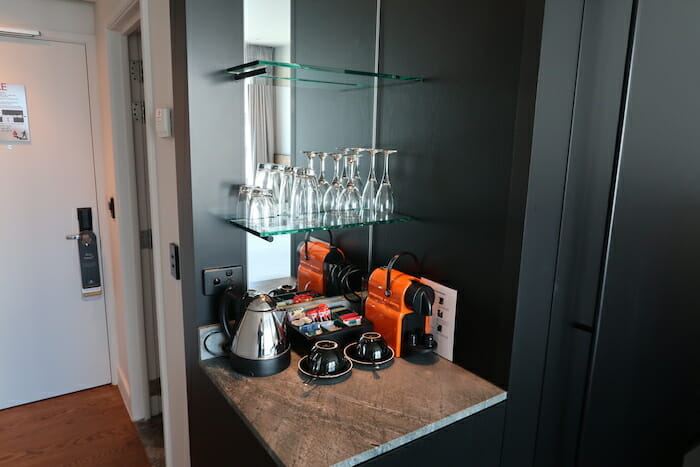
x=229, y=299
x=390, y=266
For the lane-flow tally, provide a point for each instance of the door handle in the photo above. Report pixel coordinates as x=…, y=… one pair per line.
x=73, y=237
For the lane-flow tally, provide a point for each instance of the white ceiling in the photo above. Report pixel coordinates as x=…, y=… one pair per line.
x=267, y=22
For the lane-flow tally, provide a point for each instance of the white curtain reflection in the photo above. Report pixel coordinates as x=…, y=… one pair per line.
x=261, y=109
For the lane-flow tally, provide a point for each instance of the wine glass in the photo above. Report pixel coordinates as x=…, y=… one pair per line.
x=357, y=179
x=351, y=199
x=335, y=188
x=323, y=184
x=344, y=175
x=384, y=201
x=310, y=156
x=370, y=190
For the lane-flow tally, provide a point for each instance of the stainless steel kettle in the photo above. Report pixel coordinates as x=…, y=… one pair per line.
x=258, y=340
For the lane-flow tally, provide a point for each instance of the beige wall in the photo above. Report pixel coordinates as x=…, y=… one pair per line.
x=69, y=16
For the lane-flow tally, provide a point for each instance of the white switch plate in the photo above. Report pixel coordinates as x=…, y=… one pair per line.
x=444, y=317
x=214, y=338
x=164, y=127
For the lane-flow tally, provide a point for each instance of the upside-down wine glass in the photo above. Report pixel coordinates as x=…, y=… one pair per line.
x=370, y=190
x=310, y=156
x=384, y=201
x=344, y=173
x=335, y=189
x=357, y=179
x=351, y=199
x=323, y=184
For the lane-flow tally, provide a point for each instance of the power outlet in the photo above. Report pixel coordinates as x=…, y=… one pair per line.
x=214, y=279
x=211, y=338
x=444, y=317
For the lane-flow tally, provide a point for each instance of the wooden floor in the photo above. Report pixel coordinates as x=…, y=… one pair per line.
x=87, y=428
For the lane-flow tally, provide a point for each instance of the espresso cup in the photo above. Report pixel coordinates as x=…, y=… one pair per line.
x=325, y=358
x=372, y=347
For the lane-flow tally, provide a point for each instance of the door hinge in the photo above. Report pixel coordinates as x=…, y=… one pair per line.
x=146, y=238
x=138, y=111
x=136, y=70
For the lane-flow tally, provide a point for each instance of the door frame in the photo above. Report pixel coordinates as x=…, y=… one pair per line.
x=173, y=390
x=90, y=45
x=133, y=385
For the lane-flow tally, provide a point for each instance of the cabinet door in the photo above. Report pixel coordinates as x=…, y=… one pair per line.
x=643, y=391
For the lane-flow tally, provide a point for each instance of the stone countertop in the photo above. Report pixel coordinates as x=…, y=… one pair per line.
x=353, y=421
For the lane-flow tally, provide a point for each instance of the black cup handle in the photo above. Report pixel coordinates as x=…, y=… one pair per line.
x=390, y=266
x=306, y=242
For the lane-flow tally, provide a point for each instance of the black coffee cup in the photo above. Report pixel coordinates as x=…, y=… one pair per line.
x=325, y=358
x=372, y=347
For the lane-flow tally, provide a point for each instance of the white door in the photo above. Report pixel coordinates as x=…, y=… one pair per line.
x=52, y=340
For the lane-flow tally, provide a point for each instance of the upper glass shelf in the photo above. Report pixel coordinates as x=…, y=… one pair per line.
x=281, y=225
x=311, y=74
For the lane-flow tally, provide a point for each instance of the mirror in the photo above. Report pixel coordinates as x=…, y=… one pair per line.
x=285, y=117
x=268, y=118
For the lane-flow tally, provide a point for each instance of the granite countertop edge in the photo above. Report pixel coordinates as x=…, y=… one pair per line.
x=378, y=450
x=420, y=432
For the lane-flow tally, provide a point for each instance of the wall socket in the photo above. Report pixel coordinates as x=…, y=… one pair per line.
x=211, y=338
x=214, y=279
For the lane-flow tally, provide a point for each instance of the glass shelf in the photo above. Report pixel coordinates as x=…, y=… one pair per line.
x=281, y=225
x=315, y=74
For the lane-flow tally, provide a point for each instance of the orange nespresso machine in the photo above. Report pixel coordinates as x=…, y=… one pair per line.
x=315, y=262
x=400, y=307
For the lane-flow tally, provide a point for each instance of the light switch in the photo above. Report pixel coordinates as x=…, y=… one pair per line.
x=164, y=127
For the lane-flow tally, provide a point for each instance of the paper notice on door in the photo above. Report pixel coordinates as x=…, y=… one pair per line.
x=14, y=118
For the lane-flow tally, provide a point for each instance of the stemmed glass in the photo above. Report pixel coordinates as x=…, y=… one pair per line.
x=370, y=191
x=344, y=176
x=323, y=184
x=357, y=179
x=310, y=155
x=335, y=189
x=384, y=201
x=351, y=199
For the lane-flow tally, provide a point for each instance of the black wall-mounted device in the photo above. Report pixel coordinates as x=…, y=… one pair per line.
x=88, y=255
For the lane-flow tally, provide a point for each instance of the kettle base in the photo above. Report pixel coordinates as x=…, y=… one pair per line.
x=266, y=367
